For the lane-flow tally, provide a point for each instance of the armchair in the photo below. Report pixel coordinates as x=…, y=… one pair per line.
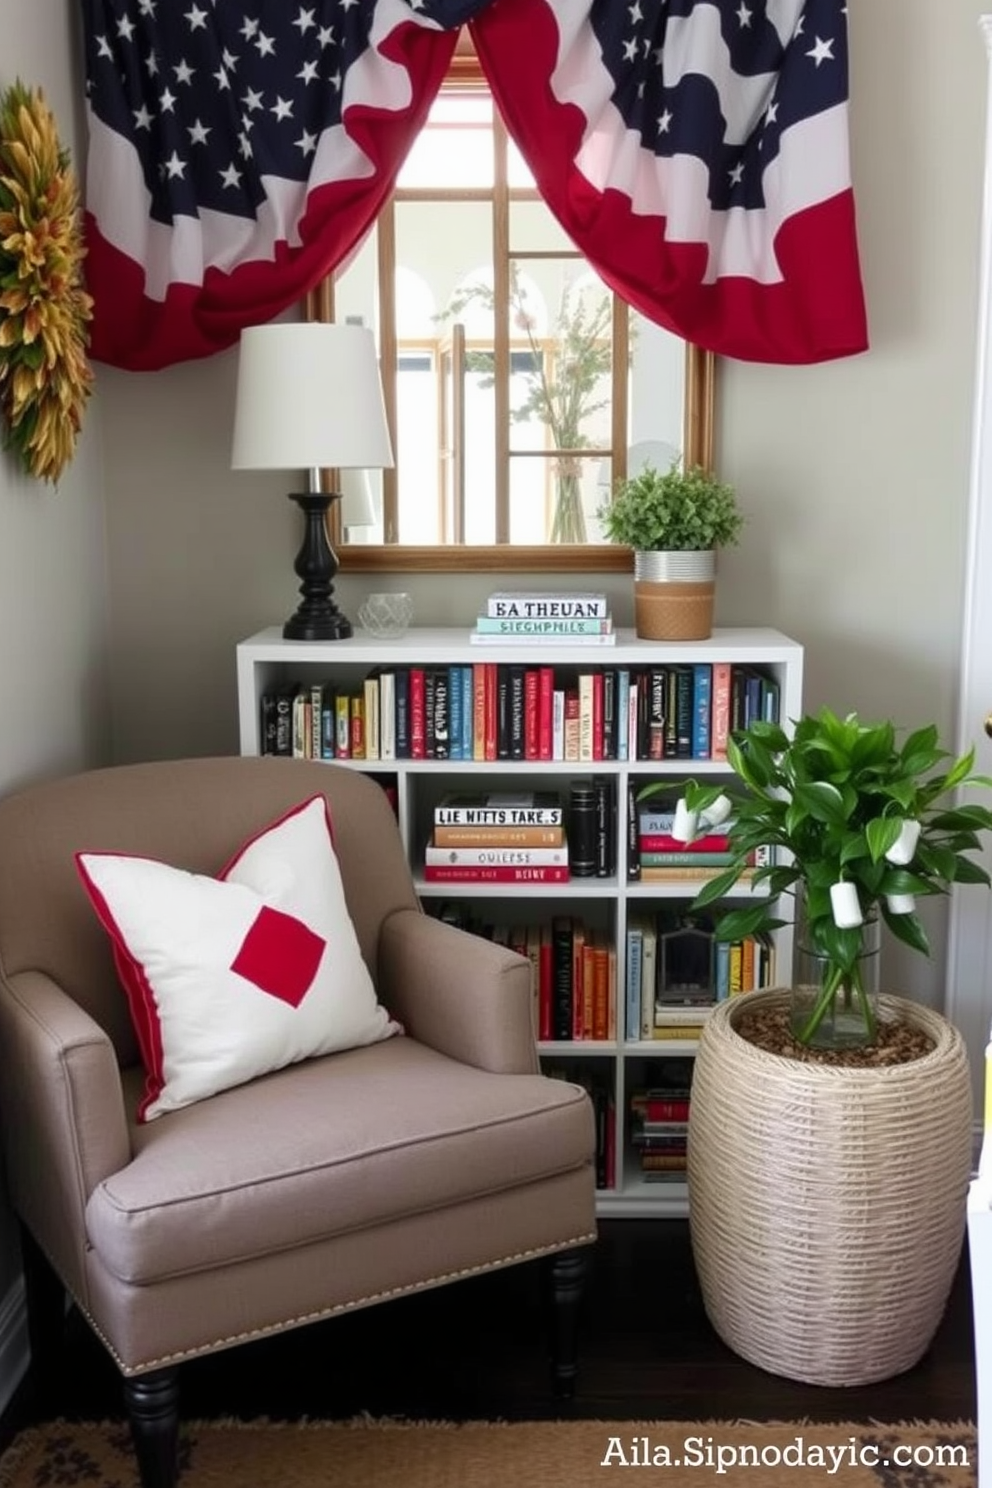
x=331, y=1184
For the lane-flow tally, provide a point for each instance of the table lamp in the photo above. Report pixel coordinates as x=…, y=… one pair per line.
x=309, y=397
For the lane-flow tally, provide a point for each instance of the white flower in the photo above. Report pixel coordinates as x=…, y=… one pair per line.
x=902, y=850
x=716, y=815
x=684, y=827
x=845, y=905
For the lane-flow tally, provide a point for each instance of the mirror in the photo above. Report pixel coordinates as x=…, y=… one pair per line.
x=517, y=386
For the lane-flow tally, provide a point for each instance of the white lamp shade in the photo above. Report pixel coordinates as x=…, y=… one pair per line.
x=309, y=396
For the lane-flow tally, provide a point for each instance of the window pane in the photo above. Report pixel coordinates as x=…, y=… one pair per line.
x=533, y=229
x=657, y=383
x=455, y=146
x=417, y=425
x=555, y=501
x=518, y=172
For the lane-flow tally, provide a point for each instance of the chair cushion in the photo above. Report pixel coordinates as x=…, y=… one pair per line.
x=231, y=977
x=333, y=1145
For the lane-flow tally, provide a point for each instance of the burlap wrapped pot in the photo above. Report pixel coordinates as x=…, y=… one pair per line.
x=827, y=1204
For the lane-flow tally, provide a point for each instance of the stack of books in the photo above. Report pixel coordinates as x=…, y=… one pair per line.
x=659, y=1122
x=498, y=837
x=659, y=1134
x=662, y=857
x=512, y=618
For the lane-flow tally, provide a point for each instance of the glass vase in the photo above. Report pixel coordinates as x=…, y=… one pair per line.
x=831, y=1008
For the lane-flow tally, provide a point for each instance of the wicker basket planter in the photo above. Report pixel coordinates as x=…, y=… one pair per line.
x=827, y=1205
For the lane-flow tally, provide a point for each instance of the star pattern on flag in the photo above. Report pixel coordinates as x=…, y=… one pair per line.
x=683, y=75
x=216, y=97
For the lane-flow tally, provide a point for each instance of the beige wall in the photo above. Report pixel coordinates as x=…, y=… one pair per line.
x=53, y=582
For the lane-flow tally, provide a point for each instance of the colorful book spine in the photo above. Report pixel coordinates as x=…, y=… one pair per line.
x=447, y=873
x=418, y=722
x=623, y=712
x=635, y=944
x=720, y=710
x=688, y=873
x=539, y=638
x=550, y=626
x=702, y=702
x=663, y=842
x=468, y=713
x=455, y=836
x=684, y=858
x=387, y=716
x=520, y=813
x=496, y=857
x=509, y=605
x=455, y=704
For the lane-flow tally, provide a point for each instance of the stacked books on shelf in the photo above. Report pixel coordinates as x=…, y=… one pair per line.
x=655, y=856
x=676, y=971
x=573, y=971
x=659, y=1124
x=488, y=710
x=506, y=837
x=548, y=619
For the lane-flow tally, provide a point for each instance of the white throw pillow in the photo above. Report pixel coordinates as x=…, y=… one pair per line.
x=228, y=978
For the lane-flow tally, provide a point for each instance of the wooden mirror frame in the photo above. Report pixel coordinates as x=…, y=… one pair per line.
x=698, y=439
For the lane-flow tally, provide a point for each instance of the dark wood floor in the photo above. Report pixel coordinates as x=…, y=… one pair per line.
x=475, y=1350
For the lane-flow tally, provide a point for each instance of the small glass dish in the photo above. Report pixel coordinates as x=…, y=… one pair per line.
x=385, y=615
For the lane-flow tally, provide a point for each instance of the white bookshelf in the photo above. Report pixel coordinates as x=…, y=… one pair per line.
x=266, y=661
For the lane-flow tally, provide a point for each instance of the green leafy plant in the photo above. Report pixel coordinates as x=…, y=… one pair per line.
x=678, y=511
x=844, y=803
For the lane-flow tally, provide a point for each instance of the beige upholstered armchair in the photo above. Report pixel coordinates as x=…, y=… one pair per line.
x=329, y=1184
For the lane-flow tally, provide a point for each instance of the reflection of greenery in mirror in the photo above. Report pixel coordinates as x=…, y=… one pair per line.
x=515, y=382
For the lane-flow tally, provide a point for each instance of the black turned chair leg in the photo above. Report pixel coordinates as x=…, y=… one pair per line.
x=153, y=1407
x=45, y=1301
x=566, y=1275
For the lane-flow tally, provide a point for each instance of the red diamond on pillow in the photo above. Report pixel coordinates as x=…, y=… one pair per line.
x=280, y=955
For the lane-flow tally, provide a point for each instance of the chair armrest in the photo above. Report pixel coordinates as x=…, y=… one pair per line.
x=462, y=995
x=64, y=1120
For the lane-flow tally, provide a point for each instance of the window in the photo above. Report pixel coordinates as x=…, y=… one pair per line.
x=516, y=383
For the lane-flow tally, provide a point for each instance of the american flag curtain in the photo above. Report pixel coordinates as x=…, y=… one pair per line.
x=695, y=151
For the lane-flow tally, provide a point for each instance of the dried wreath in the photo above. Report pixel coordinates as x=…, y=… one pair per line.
x=45, y=377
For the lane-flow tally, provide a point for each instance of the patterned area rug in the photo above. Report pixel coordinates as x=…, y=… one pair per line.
x=379, y=1454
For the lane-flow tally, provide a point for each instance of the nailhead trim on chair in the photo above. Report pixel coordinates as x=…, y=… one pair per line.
x=326, y=1312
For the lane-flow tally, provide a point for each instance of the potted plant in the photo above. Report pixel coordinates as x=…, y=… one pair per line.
x=674, y=521
x=828, y=1185
x=861, y=826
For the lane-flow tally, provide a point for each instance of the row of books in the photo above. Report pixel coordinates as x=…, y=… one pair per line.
x=673, y=977
x=519, y=619
x=675, y=971
x=520, y=837
x=656, y=856
x=489, y=711
x=573, y=972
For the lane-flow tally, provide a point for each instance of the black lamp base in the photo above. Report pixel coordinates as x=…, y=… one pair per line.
x=317, y=618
